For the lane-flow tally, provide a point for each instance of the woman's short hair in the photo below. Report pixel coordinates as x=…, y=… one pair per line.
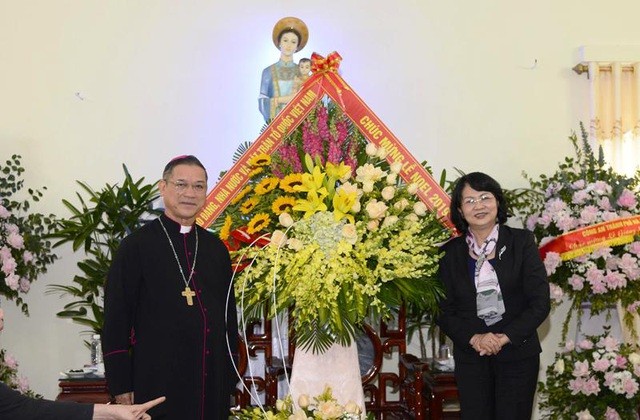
x=480, y=182
x=182, y=160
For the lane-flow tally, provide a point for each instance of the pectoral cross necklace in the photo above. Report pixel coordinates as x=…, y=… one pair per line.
x=187, y=293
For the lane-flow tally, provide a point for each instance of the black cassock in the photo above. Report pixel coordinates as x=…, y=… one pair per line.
x=153, y=342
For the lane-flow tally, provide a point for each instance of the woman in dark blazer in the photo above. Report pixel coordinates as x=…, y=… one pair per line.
x=497, y=295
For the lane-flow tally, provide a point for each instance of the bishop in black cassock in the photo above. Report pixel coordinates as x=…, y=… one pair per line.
x=154, y=341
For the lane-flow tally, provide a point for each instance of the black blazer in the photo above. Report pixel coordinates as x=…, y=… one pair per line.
x=525, y=290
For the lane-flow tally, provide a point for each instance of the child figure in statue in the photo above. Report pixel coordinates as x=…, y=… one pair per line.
x=290, y=35
x=304, y=66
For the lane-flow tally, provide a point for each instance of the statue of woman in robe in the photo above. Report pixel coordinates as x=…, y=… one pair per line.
x=290, y=35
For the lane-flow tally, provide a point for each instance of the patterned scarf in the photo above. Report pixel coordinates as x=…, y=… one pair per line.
x=489, y=302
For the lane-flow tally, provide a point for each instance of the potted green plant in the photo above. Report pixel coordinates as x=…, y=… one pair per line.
x=97, y=225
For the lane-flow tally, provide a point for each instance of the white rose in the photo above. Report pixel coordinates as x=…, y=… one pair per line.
x=304, y=401
x=584, y=415
x=278, y=239
x=558, y=367
x=401, y=204
x=412, y=188
x=371, y=149
x=389, y=220
x=392, y=179
x=420, y=208
x=634, y=358
x=285, y=219
x=295, y=244
x=376, y=209
x=349, y=233
x=352, y=408
x=367, y=186
x=412, y=216
x=372, y=225
x=382, y=153
x=356, y=207
x=388, y=192
x=396, y=167
x=279, y=405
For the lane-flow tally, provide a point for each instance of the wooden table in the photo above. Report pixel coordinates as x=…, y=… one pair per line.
x=84, y=390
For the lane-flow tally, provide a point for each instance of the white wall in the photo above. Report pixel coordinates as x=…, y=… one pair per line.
x=455, y=81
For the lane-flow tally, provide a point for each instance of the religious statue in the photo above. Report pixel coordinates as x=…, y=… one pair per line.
x=290, y=35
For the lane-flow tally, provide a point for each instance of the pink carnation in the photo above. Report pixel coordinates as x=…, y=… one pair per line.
x=591, y=387
x=611, y=414
x=585, y=344
x=11, y=228
x=27, y=257
x=604, y=252
x=555, y=205
x=10, y=361
x=581, y=369
x=629, y=266
x=566, y=223
x=13, y=281
x=600, y=187
x=578, y=185
x=634, y=248
x=25, y=285
x=551, y=261
x=621, y=361
x=23, y=384
x=556, y=292
x=588, y=215
x=609, y=343
x=15, y=240
x=615, y=280
x=531, y=222
x=627, y=199
x=630, y=387
x=579, y=197
x=544, y=220
x=576, y=385
x=569, y=345
x=576, y=282
x=608, y=216
x=601, y=365
x=4, y=213
x=605, y=204
x=634, y=306
x=9, y=265
x=5, y=253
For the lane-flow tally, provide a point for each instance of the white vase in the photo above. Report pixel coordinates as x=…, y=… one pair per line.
x=337, y=367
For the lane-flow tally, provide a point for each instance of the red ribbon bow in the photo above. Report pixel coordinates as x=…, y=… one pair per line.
x=319, y=64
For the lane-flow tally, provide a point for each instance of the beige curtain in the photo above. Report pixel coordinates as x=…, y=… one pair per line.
x=615, y=113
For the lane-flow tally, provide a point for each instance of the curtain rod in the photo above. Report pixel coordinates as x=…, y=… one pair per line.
x=584, y=68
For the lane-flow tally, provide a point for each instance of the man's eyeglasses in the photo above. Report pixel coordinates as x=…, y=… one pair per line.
x=181, y=186
x=483, y=198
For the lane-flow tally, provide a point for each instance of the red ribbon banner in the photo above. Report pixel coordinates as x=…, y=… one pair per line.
x=325, y=79
x=583, y=241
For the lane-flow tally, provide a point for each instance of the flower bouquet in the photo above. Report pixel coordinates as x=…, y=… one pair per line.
x=24, y=254
x=597, y=378
x=588, y=228
x=9, y=375
x=324, y=407
x=336, y=234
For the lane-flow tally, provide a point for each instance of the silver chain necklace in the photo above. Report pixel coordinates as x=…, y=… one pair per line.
x=187, y=293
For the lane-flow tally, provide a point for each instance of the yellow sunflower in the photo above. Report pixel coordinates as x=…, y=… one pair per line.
x=289, y=182
x=261, y=159
x=258, y=223
x=282, y=204
x=226, y=228
x=241, y=194
x=255, y=172
x=266, y=185
x=249, y=204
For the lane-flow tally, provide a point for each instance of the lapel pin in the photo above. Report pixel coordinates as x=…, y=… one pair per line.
x=504, y=248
